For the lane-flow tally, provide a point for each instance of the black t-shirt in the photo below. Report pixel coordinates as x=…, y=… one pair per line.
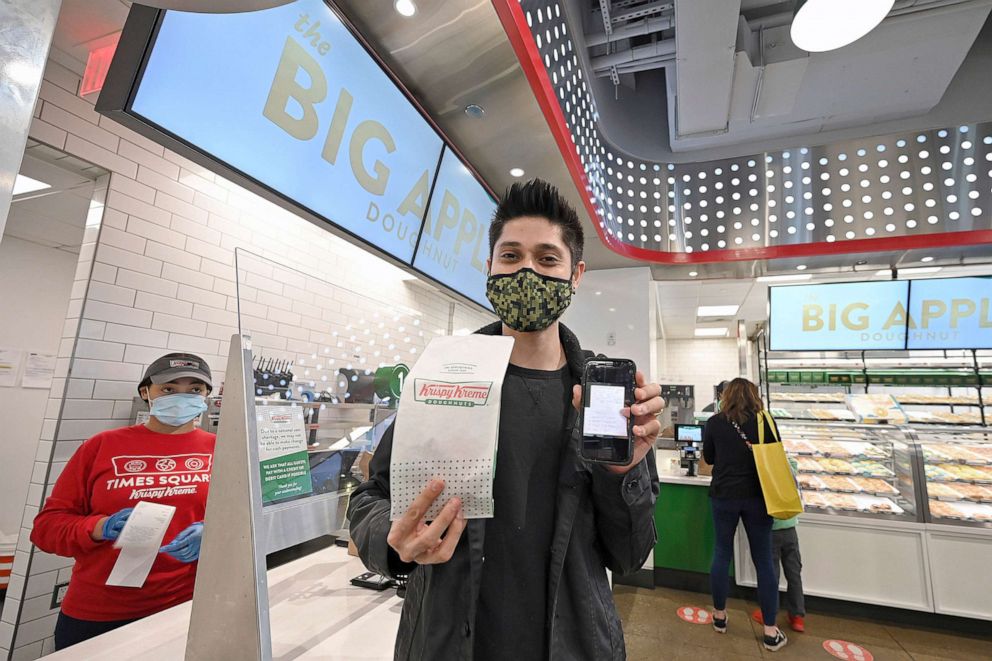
x=734, y=472
x=512, y=611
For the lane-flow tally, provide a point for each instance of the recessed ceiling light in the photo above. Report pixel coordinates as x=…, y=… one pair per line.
x=926, y=259
x=825, y=25
x=717, y=310
x=801, y=267
x=598, y=293
x=711, y=332
x=693, y=274
x=405, y=7
x=785, y=278
x=516, y=172
x=24, y=184
x=475, y=111
x=613, y=309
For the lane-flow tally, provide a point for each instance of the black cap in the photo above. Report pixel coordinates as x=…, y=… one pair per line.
x=174, y=366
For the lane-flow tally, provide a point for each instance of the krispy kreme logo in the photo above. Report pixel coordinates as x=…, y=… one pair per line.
x=158, y=465
x=441, y=393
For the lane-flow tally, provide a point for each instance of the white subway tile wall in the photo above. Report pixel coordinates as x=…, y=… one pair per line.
x=681, y=363
x=160, y=277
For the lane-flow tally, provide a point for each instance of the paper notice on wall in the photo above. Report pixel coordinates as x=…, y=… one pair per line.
x=139, y=543
x=10, y=365
x=447, y=425
x=39, y=370
x=283, y=460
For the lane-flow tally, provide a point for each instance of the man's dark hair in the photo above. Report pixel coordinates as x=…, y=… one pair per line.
x=538, y=198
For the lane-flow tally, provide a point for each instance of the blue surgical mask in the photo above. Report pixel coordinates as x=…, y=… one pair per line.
x=178, y=409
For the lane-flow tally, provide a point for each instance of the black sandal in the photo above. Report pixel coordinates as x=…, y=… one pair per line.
x=720, y=626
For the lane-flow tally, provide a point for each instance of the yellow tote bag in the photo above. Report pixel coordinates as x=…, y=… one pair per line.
x=778, y=482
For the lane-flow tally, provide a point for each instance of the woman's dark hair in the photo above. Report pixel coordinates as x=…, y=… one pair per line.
x=740, y=400
x=720, y=387
x=538, y=198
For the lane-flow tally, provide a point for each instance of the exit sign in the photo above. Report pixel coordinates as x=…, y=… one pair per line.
x=97, y=66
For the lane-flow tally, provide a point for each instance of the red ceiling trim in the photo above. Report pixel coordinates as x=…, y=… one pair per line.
x=514, y=22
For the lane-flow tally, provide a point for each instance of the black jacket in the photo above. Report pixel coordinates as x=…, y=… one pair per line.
x=603, y=521
x=735, y=474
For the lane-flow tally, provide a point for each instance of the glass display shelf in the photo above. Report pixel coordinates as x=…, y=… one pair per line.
x=853, y=470
x=957, y=465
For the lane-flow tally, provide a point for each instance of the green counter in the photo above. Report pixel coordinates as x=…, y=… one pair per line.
x=685, y=527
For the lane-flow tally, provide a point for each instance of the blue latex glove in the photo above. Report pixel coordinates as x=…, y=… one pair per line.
x=186, y=546
x=114, y=523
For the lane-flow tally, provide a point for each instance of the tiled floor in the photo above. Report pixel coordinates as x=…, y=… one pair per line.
x=654, y=631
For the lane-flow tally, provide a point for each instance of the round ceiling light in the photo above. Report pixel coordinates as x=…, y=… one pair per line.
x=516, y=172
x=405, y=7
x=475, y=111
x=825, y=25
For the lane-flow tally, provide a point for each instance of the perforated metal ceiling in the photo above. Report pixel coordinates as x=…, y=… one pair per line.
x=874, y=194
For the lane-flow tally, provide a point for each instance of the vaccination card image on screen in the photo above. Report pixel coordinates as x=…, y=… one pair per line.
x=607, y=388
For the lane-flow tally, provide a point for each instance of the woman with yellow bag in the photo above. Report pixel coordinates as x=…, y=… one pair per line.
x=749, y=484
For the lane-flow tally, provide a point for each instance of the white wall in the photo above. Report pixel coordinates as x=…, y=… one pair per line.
x=156, y=274
x=700, y=363
x=34, y=292
x=623, y=308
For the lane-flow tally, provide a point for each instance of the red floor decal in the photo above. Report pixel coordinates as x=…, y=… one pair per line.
x=695, y=615
x=845, y=650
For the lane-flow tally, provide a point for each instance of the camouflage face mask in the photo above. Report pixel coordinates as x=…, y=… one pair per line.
x=528, y=301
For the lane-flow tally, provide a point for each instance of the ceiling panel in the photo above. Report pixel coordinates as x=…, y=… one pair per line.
x=892, y=192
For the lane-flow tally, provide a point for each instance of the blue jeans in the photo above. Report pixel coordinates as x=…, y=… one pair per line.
x=758, y=526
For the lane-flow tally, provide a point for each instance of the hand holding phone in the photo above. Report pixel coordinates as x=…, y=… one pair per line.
x=645, y=426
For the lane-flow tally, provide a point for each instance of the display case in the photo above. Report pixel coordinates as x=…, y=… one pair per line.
x=930, y=387
x=957, y=465
x=853, y=470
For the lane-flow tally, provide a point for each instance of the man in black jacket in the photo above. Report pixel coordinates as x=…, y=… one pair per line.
x=530, y=583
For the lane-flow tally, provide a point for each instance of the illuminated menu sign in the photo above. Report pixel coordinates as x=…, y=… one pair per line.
x=950, y=313
x=291, y=99
x=939, y=313
x=836, y=317
x=454, y=245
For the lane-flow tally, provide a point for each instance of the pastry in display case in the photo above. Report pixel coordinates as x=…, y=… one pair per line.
x=958, y=470
x=852, y=469
x=819, y=404
x=876, y=408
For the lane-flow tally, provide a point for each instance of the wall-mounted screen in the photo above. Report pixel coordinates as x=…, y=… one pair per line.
x=838, y=317
x=950, y=313
x=290, y=98
x=454, y=244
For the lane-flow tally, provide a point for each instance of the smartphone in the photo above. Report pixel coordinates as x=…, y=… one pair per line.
x=607, y=387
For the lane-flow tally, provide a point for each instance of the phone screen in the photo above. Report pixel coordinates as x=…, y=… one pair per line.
x=602, y=414
x=607, y=388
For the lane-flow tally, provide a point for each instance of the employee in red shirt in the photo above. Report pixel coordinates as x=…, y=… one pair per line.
x=166, y=460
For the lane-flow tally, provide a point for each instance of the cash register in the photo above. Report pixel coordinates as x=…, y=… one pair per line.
x=689, y=443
